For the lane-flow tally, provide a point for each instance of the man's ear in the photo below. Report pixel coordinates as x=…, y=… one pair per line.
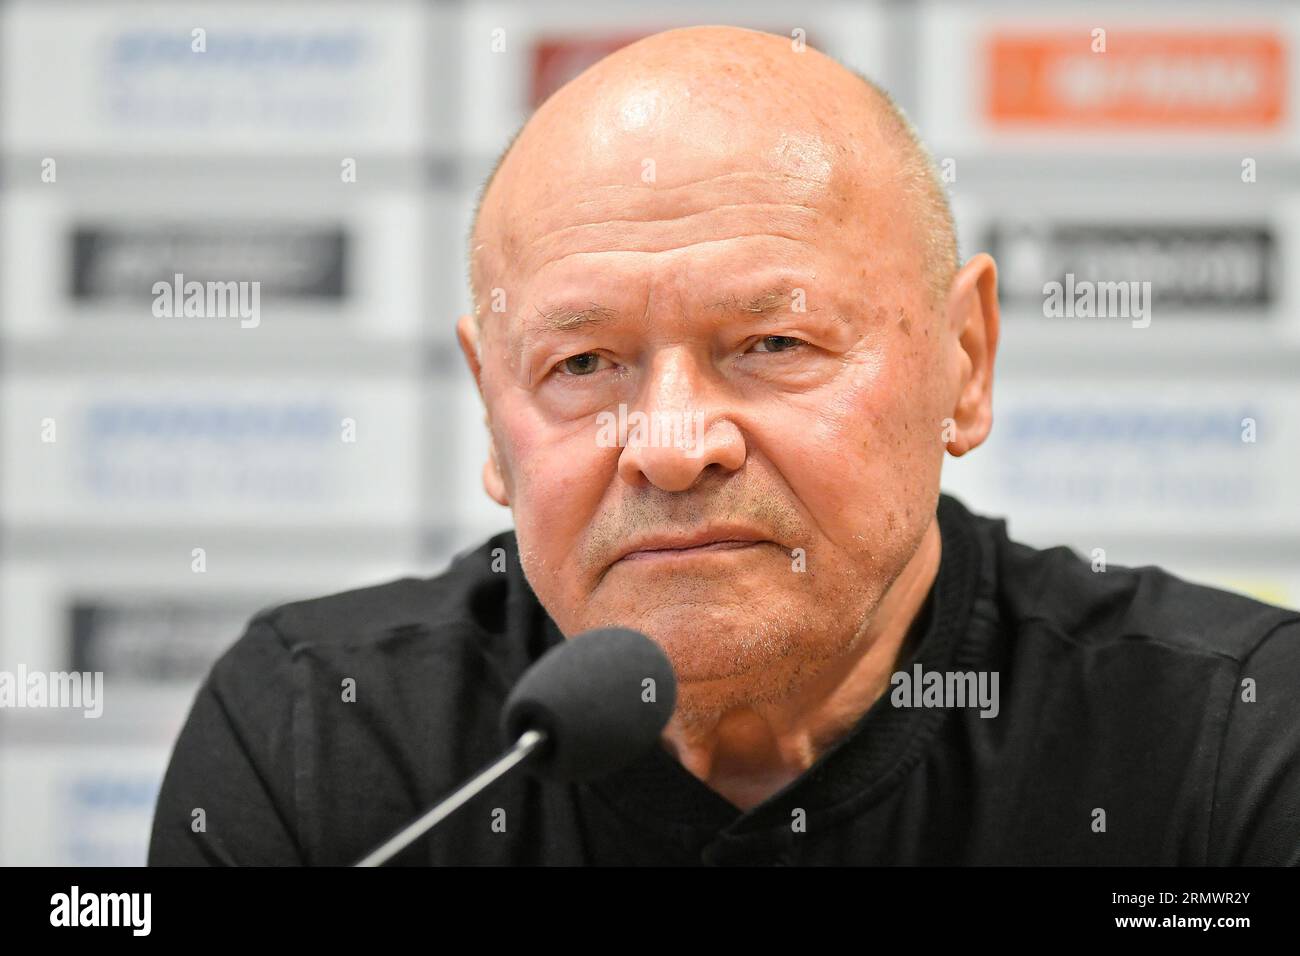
x=493, y=483
x=467, y=333
x=972, y=316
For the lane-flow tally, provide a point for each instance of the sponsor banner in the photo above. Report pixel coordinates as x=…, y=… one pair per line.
x=1087, y=77
x=517, y=54
x=1074, y=458
x=115, y=261
x=144, y=639
x=215, y=265
x=1209, y=270
x=78, y=805
x=1146, y=79
x=222, y=79
x=1111, y=269
x=100, y=452
x=143, y=628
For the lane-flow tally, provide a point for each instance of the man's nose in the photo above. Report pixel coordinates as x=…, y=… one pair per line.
x=682, y=429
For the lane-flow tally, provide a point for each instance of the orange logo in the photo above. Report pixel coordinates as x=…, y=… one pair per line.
x=1143, y=80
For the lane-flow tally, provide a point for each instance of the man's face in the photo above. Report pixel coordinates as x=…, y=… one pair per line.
x=768, y=293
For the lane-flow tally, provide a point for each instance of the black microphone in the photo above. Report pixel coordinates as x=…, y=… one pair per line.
x=602, y=699
x=588, y=707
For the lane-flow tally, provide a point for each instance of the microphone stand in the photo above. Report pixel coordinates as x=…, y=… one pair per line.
x=524, y=746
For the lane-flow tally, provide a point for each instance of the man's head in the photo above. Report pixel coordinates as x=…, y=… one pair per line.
x=740, y=240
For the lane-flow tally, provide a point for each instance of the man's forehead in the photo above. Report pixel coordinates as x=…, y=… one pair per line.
x=708, y=159
x=726, y=222
x=670, y=107
x=634, y=184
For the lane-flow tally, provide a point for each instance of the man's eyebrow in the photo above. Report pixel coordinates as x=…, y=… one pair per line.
x=563, y=318
x=765, y=303
x=566, y=318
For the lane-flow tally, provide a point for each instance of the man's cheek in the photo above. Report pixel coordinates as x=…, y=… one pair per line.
x=558, y=464
x=560, y=480
x=521, y=441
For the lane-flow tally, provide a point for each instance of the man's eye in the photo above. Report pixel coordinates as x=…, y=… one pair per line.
x=777, y=343
x=583, y=364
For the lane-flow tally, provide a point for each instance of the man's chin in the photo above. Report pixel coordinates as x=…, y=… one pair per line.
x=716, y=643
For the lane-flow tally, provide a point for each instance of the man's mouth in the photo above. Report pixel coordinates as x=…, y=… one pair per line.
x=688, y=552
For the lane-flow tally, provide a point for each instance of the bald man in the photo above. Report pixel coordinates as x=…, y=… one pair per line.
x=723, y=343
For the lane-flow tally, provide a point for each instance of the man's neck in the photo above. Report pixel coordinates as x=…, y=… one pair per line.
x=751, y=752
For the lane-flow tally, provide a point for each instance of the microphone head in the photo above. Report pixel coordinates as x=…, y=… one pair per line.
x=602, y=697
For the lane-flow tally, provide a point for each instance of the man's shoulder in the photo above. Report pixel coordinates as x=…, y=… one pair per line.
x=1083, y=599
x=471, y=595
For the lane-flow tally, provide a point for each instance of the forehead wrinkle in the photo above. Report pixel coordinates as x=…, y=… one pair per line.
x=770, y=177
x=711, y=207
x=742, y=220
x=729, y=204
x=616, y=202
x=616, y=208
x=798, y=240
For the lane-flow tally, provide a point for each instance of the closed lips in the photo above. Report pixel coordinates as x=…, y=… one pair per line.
x=667, y=546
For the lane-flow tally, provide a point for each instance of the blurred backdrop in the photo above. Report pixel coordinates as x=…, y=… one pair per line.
x=162, y=477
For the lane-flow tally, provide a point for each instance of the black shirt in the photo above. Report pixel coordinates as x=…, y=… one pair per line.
x=1124, y=733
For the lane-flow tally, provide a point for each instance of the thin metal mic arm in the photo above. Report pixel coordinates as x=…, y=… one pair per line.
x=525, y=745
